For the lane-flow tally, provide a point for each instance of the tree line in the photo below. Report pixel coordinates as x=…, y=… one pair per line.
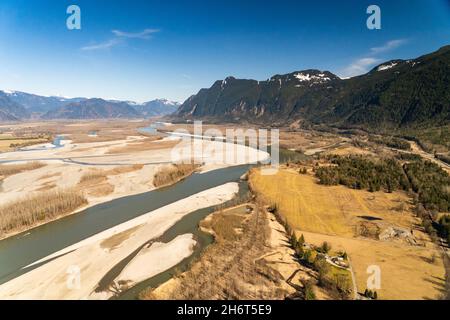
x=358, y=172
x=392, y=142
x=429, y=182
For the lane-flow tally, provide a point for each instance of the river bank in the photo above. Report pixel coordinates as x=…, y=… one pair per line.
x=112, y=229
x=95, y=256
x=126, y=167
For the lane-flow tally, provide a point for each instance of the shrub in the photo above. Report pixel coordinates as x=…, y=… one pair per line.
x=170, y=175
x=308, y=290
x=11, y=169
x=326, y=247
x=34, y=209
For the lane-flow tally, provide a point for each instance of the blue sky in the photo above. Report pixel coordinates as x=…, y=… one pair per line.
x=140, y=50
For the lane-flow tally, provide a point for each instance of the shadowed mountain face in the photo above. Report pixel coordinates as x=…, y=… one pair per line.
x=394, y=94
x=273, y=101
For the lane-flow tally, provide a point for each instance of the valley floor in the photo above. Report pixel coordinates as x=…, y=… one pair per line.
x=251, y=257
x=102, y=171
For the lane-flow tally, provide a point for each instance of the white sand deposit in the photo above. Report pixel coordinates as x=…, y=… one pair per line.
x=157, y=258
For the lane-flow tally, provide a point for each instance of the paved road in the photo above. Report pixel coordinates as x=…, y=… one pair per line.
x=417, y=150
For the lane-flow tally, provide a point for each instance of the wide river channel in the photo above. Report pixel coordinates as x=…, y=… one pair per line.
x=21, y=250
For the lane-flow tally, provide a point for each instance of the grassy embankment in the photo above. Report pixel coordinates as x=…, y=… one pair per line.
x=171, y=174
x=11, y=169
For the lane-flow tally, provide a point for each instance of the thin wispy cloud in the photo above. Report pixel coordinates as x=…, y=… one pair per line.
x=120, y=37
x=103, y=45
x=359, y=66
x=388, y=46
x=364, y=64
x=145, y=34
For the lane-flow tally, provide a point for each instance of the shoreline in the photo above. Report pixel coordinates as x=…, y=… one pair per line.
x=79, y=210
x=95, y=260
x=93, y=201
x=47, y=276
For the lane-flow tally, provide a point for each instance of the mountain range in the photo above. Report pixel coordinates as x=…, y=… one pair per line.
x=394, y=94
x=16, y=105
x=10, y=110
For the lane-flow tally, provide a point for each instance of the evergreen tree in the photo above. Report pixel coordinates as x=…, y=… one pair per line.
x=307, y=256
x=326, y=247
x=301, y=240
x=300, y=251
x=293, y=240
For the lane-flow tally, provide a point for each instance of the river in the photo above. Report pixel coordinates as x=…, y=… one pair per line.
x=21, y=250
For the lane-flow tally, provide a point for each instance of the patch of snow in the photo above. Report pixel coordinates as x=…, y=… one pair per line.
x=168, y=102
x=386, y=66
x=306, y=77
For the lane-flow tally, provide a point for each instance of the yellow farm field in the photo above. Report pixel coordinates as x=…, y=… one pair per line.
x=333, y=213
x=407, y=272
x=333, y=210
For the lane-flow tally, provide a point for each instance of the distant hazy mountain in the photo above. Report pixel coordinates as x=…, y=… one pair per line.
x=395, y=93
x=4, y=116
x=39, y=104
x=10, y=110
x=94, y=109
x=159, y=107
x=16, y=105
